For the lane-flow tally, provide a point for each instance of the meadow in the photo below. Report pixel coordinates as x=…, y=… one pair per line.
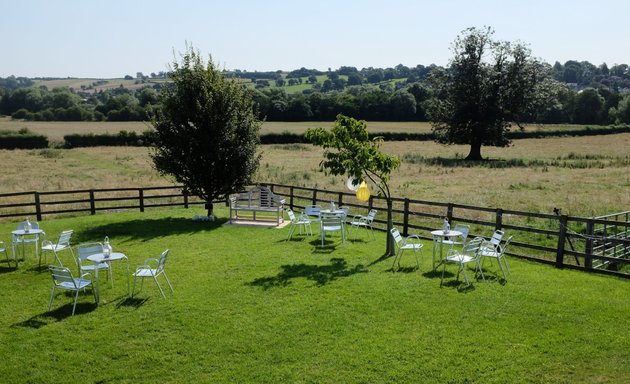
x=584, y=176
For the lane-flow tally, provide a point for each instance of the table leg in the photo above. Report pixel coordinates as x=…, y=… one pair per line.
x=98, y=291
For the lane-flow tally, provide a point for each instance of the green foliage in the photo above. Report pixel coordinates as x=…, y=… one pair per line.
x=206, y=133
x=349, y=151
x=489, y=86
x=122, y=138
x=22, y=139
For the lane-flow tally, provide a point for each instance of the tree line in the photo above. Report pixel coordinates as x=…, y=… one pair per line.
x=590, y=95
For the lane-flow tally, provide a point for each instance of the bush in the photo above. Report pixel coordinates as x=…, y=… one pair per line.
x=22, y=139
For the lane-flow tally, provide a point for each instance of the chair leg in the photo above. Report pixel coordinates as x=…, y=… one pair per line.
x=463, y=269
x=398, y=256
x=415, y=251
x=134, y=286
x=506, y=265
x=168, y=281
x=74, y=306
x=159, y=286
x=443, y=270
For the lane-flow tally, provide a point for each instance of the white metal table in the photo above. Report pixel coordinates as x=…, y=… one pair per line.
x=98, y=258
x=438, y=237
x=21, y=233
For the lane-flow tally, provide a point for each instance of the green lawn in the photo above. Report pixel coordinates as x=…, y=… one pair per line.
x=249, y=307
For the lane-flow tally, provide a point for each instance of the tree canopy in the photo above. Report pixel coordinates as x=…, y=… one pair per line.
x=349, y=151
x=489, y=86
x=206, y=130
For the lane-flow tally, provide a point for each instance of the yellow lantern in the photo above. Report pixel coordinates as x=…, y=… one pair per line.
x=363, y=193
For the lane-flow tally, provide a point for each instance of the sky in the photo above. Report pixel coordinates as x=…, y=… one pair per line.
x=114, y=38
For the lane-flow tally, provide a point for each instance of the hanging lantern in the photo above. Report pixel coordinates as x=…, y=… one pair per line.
x=363, y=193
x=350, y=183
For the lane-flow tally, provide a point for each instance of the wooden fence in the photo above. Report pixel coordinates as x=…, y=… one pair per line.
x=598, y=244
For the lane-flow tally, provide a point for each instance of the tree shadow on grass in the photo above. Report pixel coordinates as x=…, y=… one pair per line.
x=147, y=229
x=320, y=274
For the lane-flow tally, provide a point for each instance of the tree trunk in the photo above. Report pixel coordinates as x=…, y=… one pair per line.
x=390, y=251
x=475, y=152
x=210, y=207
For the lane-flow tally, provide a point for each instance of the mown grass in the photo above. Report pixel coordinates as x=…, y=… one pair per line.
x=250, y=307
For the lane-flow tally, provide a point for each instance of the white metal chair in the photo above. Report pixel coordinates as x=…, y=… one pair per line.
x=26, y=239
x=498, y=253
x=63, y=279
x=332, y=223
x=468, y=254
x=459, y=240
x=87, y=249
x=313, y=212
x=411, y=242
x=301, y=221
x=63, y=242
x=359, y=221
x=3, y=248
x=152, y=268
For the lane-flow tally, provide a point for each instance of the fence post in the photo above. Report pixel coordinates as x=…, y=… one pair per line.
x=406, y=218
x=499, y=219
x=38, y=207
x=562, y=234
x=340, y=199
x=185, y=199
x=371, y=202
x=92, y=203
x=590, y=231
x=314, y=196
x=449, y=212
x=141, y=198
x=291, y=197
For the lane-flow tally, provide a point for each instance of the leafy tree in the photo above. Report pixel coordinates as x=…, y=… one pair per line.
x=621, y=113
x=349, y=151
x=589, y=106
x=206, y=131
x=489, y=86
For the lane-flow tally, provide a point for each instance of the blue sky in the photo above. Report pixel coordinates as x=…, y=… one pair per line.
x=105, y=39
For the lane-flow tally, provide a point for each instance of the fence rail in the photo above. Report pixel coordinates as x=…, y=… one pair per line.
x=599, y=244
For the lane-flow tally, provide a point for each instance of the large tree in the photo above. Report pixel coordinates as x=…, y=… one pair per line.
x=206, y=131
x=349, y=151
x=488, y=86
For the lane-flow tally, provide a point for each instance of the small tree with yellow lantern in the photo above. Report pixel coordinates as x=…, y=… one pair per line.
x=349, y=151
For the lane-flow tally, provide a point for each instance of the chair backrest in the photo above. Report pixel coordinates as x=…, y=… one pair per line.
x=291, y=214
x=313, y=210
x=371, y=215
x=62, y=275
x=472, y=247
x=162, y=262
x=331, y=220
x=464, y=229
x=496, y=237
x=397, y=236
x=64, y=238
x=86, y=249
x=505, y=244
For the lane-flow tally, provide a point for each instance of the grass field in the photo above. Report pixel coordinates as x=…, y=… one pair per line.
x=249, y=307
x=584, y=176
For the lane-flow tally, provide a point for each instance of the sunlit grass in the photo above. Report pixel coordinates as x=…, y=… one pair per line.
x=251, y=307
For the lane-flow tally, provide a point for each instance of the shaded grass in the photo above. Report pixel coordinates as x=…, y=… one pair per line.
x=251, y=307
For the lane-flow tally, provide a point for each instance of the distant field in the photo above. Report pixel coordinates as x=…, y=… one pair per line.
x=56, y=130
x=97, y=84
x=584, y=176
